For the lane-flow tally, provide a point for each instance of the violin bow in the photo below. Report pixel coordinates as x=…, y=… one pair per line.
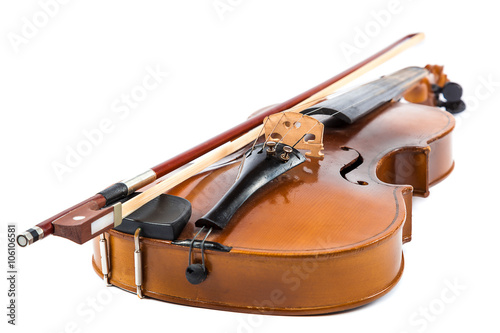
x=103, y=211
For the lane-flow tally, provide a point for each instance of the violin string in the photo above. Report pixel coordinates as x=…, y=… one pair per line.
x=303, y=136
x=314, y=100
x=260, y=132
x=289, y=110
x=269, y=136
x=192, y=243
x=282, y=114
x=202, y=246
x=291, y=127
x=333, y=114
x=305, y=114
x=242, y=163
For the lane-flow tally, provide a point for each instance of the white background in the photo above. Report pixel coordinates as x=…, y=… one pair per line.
x=65, y=78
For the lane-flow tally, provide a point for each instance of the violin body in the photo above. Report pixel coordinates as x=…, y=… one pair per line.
x=326, y=236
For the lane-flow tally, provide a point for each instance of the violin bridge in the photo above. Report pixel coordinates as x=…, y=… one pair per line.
x=297, y=130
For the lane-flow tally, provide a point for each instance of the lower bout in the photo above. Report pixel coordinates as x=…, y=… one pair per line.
x=279, y=285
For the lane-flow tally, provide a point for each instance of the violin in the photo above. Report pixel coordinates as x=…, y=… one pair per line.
x=303, y=209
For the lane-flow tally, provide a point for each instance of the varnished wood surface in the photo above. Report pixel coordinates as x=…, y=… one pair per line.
x=314, y=240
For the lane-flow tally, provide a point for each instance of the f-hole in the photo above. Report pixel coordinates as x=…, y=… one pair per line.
x=354, y=164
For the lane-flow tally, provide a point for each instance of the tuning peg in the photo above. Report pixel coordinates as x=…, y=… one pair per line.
x=451, y=91
x=452, y=107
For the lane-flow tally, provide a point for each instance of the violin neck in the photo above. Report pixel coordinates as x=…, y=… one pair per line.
x=360, y=101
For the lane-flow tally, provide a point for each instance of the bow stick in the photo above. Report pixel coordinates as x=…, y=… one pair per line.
x=94, y=216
